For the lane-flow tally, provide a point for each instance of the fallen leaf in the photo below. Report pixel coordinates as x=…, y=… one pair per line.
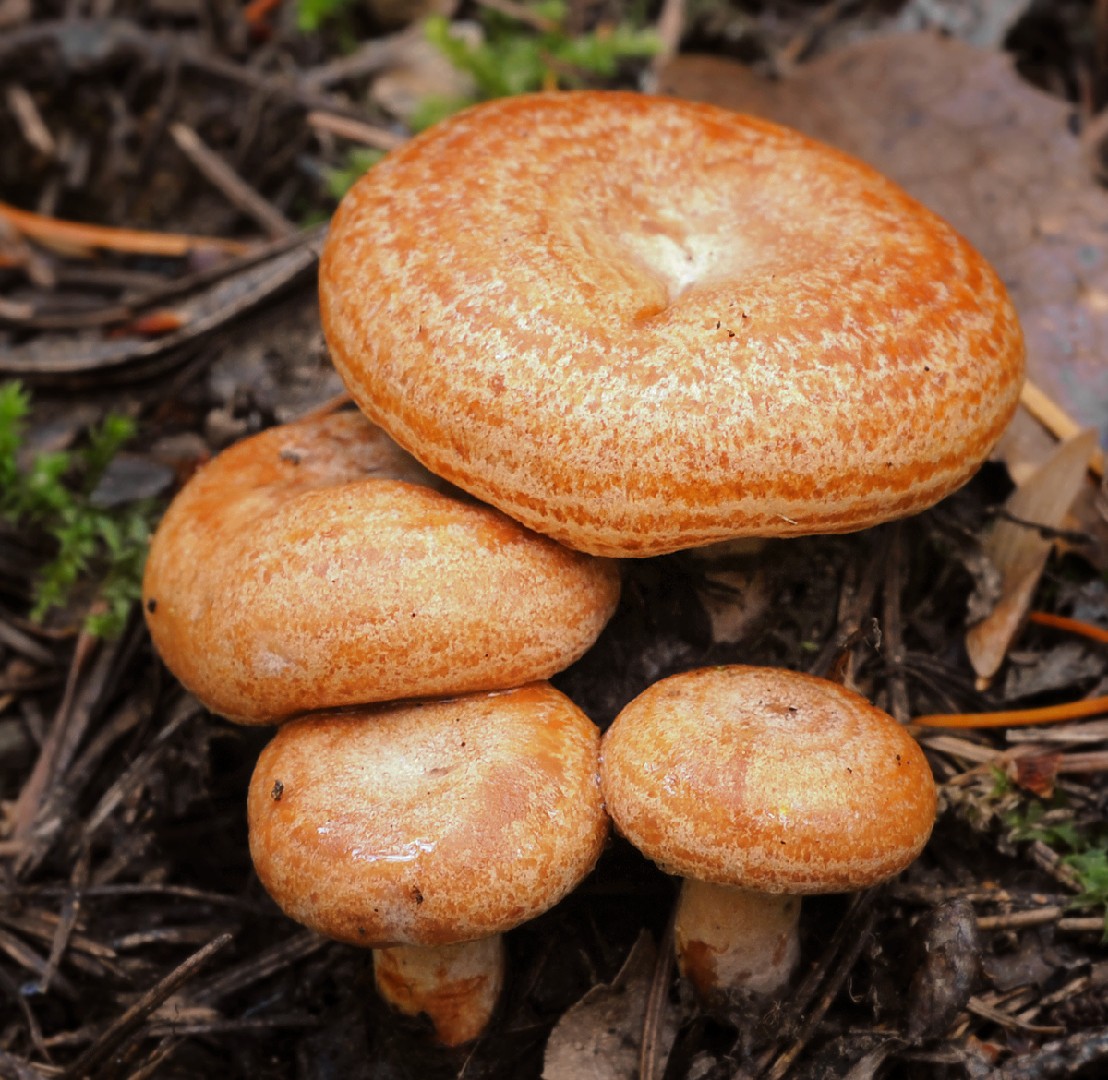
x=1059, y=669
x=1035, y=773
x=734, y=601
x=1019, y=550
x=950, y=970
x=599, y=1037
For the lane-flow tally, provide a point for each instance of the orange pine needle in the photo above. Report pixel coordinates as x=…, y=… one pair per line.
x=256, y=11
x=1048, y=714
x=152, y=324
x=76, y=234
x=1074, y=626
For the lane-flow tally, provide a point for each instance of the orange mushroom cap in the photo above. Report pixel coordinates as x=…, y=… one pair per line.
x=767, y=780
x=428, y=824
x=638, y=324
x=304, y=569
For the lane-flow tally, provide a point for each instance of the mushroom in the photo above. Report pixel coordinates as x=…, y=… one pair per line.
x=757, y=786
x=315, y=566
x=425, y=831
x=639, y=324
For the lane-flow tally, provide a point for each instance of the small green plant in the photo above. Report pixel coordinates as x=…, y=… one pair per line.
x=312, y=14
x=53, y=492
x=516, y=58
x=512, y=57
x=1084, y=848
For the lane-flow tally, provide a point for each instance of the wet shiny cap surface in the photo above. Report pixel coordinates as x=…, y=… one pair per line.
x=432, y=823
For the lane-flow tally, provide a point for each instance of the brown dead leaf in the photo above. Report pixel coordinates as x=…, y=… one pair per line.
x=951, y=968
x=1035, y=773
x=599, y=1037
x=1019, y=551
x=960, y=130
x=734, y=600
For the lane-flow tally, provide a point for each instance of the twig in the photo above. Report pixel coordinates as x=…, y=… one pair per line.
x=71, y=908
x=76, y=234
x=1089, y=732
x=60, y=745
x=1074, y=626
x=125, y=1027
x=34, y=1030
x=355, y=130
x=857, y=592
x=1089, y=924
x=1048, y=860
x=654, y=1014
x=139, y=771
x=891, y=620
x=981, y=1008
x=30, y=121
x=19, y=952
x=274, y=958
x=794, y=49
x=851, y=937
x=370, y=58
x=670, y=28
x=229, y=295
x=235, y=189
x=1015, y=919
x=1063, y=1058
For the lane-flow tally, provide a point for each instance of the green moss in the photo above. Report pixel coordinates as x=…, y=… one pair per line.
x=516, y=57
x=94, y=546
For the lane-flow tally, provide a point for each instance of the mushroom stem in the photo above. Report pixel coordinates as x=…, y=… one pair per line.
x=457, y=986
x=731, y=940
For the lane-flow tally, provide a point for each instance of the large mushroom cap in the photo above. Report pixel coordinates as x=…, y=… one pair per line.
x=302, y=569
x=639, y=324
x=767, y=780
x=430, y=823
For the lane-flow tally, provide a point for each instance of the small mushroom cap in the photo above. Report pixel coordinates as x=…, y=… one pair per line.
x=768, y=780
x=639, y=324
x=308, y=568
x=428, y=824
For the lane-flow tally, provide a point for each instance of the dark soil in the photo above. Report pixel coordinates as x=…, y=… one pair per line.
x=134, y=938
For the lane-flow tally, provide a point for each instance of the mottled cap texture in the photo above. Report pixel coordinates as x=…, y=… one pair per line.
x=768, y=780
x=309, y=567
x=639, y=324
x=427, y=824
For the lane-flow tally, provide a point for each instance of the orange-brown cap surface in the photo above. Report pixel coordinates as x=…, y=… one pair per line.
x=294, y=573
x=768, y=780
x=429, y=823
x=639, y=324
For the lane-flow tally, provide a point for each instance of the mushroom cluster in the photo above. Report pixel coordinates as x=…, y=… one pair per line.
x=316, y=566
x=632, y=325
